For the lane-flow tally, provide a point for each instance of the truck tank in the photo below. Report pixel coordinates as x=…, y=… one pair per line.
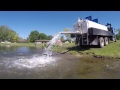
x=77, y=26
x=82, y=26
x=90, y=24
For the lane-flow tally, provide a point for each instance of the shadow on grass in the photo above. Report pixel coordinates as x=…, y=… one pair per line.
x=78, y=49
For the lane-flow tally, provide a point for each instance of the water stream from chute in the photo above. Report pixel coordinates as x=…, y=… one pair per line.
x=52, y=42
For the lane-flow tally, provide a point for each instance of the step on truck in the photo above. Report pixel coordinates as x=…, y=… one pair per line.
x=90, y=32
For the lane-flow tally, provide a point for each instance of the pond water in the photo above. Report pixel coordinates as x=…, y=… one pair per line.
x=28, y=63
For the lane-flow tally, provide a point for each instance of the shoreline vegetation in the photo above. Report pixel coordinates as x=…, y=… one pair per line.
x=111, y=51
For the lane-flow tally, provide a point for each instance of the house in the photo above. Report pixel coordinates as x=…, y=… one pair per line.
x=22, y=41
x=41, y=42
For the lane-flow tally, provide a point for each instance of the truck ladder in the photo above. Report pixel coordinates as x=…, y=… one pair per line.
x=85, y=39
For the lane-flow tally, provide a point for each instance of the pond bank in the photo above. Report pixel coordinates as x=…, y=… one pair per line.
x=111, y=51
x=17, y=44
x=100, y=56
x=89, y=54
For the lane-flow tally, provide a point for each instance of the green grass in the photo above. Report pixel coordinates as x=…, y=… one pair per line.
x=18, y=44
x=112, y=49
x=65, y=49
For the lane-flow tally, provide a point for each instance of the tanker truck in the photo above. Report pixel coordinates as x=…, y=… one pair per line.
x=88, y=32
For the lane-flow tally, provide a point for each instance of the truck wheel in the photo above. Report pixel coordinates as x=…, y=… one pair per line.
x=101, y=42
x=106, y=41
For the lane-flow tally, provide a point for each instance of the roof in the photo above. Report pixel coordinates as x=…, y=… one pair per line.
x=42, y=40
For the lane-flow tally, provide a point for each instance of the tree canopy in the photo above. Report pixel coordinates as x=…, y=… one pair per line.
x=67, y=35
x=49, y=37
x=35, y=35
x=42, y=36
x=118, y=33
x=7, y=34
x=62, y=38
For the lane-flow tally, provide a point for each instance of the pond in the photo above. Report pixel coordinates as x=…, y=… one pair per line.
x=28, y=63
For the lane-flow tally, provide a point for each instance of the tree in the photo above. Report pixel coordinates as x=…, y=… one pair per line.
x=28, y=39
x=49, y=37
x=62, y=38
x=15, y=38
x=42, y=36
x=7, y=34
x=34, y=35
x=118, y=33
x=67, y=35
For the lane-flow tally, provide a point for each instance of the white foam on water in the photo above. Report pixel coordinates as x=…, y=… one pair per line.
x=33, y=62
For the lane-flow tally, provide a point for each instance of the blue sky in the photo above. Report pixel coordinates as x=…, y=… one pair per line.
x=51, y=22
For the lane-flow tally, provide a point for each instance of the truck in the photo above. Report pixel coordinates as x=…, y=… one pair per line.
x=89, y=32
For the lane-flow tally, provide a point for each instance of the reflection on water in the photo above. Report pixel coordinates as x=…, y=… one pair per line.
x=27, y=63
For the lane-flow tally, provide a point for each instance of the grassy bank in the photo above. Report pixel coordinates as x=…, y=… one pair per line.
x=18, y=44
x=112, y=50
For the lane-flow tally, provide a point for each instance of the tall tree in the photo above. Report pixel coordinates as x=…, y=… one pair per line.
x=67, y=35
x=34, y=35
x=62, y=38
x=7, y=34
x=49, y=37
x=117, y=31
x=42, y=36
x=28, y=39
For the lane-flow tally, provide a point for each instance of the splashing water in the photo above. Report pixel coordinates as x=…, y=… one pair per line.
x=50, y=44
x=33, y=62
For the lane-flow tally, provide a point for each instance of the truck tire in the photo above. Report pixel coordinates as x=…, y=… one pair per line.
x=106, y=41
x=101, y=42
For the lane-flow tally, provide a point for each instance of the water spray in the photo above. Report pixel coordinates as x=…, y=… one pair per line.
x=48, y=52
